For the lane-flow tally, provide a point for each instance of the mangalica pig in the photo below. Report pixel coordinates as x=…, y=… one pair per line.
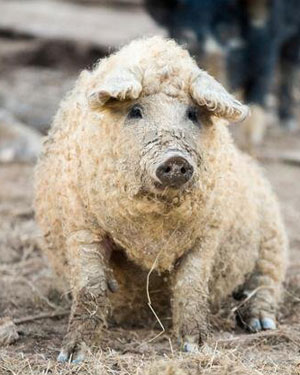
x=139, y=177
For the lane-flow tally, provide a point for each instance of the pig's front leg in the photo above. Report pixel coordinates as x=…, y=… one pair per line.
x=91, y=279
x=190, y=298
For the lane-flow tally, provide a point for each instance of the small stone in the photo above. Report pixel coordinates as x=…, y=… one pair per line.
x=175, y=200
x=8, y=331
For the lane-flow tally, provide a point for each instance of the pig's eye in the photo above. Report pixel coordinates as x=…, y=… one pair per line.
x=135, y=112
x=192, y=114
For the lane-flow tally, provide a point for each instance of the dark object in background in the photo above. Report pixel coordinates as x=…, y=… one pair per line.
x=193, y=22
x=257, y=36
x=270, y=36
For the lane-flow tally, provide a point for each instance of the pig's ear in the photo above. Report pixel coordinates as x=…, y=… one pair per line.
x=121, y=85
x=207, y=92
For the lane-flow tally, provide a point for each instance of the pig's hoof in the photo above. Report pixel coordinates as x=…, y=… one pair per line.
x=257, y=325
x=188, y=347
x=74, y=353
x=189, y=344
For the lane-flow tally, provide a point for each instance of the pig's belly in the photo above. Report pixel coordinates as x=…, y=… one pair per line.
x=154, y=249
x=130, y=302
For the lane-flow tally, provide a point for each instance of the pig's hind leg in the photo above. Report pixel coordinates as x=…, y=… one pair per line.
x=91, y=280
x=263, y=288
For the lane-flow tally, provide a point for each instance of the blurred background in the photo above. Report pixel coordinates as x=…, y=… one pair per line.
x=251, y=46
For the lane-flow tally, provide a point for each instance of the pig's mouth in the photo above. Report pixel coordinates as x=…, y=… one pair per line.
x=167, y=196
x=161, y=188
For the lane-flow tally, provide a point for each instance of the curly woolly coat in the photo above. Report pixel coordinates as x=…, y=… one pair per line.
x=106, y=224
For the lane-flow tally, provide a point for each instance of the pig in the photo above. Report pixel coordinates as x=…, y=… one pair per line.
x=139, y=187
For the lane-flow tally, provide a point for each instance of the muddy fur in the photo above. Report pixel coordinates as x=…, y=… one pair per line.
x=107, y=222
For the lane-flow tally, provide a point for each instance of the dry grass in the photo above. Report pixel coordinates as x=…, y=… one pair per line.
x=237, y=356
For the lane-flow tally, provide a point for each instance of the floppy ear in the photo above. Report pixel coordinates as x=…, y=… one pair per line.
x=206, y=91
x=120, y=84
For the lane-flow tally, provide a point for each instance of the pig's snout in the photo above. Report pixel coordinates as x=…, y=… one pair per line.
x=174, y=171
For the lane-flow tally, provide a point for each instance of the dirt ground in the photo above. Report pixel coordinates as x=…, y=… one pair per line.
x=35, y=74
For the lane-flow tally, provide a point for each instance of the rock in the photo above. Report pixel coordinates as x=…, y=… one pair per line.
x=8, y=331
x=32, y=94
x=17, y=141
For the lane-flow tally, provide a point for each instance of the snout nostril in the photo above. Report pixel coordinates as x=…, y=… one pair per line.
x=174, y=172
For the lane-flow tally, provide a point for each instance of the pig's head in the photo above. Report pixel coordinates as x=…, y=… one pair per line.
x=161, y=115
